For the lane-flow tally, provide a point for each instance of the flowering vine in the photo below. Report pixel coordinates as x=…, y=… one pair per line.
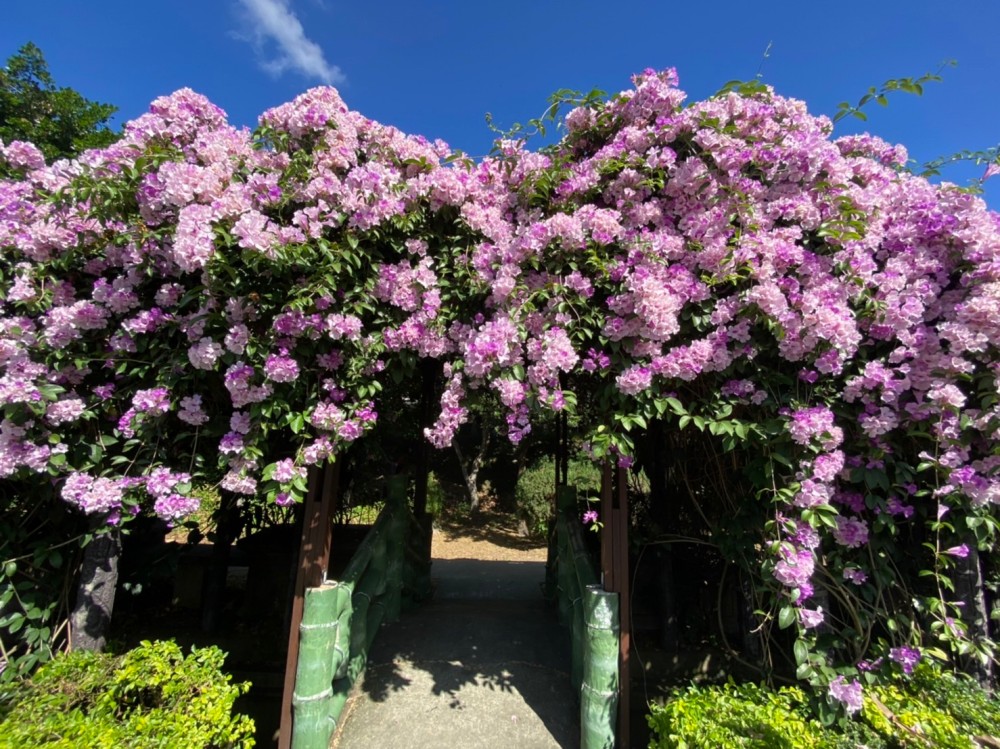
x=202, y=301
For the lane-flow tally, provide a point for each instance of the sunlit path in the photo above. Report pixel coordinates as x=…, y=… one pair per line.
x=484, y=664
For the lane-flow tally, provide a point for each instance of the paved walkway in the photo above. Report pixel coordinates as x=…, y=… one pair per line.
x=484, y=664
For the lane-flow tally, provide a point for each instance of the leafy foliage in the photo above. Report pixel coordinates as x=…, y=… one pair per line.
x=536, y=489
x=152, y=696
x=746, y=716
x=932, y=708
x=880, y=94
x=58, y=120
x=39, y=541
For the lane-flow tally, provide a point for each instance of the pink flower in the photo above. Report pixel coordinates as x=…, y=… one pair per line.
x=906, y=657
x=855, y=575
x=851, y=532
x=590, y=516
x=811, y=618
x=174, y=507
x=64, y=411
x=191, y=411
x=795, y=567
x=961, y=551
x=281, y=368
x=286, y=470
x=204, y=354
x=848, y=693
x=815, y=424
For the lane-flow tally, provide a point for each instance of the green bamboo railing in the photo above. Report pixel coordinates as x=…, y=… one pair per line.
x=591, y=614
x=341, y=617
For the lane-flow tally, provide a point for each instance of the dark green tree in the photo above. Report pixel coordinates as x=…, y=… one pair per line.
x=60, y=121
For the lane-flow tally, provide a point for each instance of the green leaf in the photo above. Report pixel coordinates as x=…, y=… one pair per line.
x=801, y=651
x=786, y=616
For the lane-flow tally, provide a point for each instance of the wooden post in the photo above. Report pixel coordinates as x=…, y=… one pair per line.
x=428, y=382
x=314, y=558
x=607, y=549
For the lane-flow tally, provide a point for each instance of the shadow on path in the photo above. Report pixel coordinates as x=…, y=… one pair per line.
x=484, y=664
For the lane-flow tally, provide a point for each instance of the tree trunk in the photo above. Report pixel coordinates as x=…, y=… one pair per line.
x=95, y=594
x=214, y=584
x=969, y=588
x=470, y=475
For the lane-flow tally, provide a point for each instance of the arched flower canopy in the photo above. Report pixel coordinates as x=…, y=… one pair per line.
x=196, y=298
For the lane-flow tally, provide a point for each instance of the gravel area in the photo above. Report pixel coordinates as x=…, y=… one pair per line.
x=488, y=536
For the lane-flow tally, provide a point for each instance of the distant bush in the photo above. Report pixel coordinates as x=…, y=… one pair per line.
x=151, y=697
x=536, y=487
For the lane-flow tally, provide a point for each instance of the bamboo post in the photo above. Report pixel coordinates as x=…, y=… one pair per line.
x=314, y=558
x=317, y=664
x=599, y=691
x=622, y=583
x=577, y=637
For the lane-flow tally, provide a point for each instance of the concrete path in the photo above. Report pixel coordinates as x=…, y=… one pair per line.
x=484, y=664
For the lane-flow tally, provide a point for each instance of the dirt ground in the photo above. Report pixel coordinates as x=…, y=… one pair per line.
x=489, y=536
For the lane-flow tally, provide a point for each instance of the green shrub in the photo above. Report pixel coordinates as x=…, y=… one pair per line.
x=150, y=697
x=744, y=715
x=932, y=708
x=903, y=719
x=536, y=487
x=976, y=711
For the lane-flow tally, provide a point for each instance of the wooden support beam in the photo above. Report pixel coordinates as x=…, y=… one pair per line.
x=607, y=549
x=428, y=388
x=314, y=558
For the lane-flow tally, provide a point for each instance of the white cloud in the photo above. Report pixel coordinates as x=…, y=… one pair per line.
x=273, y=20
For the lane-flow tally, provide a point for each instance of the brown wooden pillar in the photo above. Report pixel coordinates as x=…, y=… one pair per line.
x=314, y=559
x=428, y=389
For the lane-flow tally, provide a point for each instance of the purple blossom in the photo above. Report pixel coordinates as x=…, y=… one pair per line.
x=811, y=618
x=590, y=516
x=65, y=411
x=204, y=354
x=231, y=443
x=281, y=368
x=286, y=470
x=849, y=694
x=855, y=575
x=906, y=657
x=240, y=422
x=961, y=551
x=153, y=402
x=92, y=496
x=191, y=411
x=173, y=507
x=795, y=567
x=850, y=532
x=162, y=481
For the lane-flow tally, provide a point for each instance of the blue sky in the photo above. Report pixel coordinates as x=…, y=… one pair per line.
x=436, y=68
